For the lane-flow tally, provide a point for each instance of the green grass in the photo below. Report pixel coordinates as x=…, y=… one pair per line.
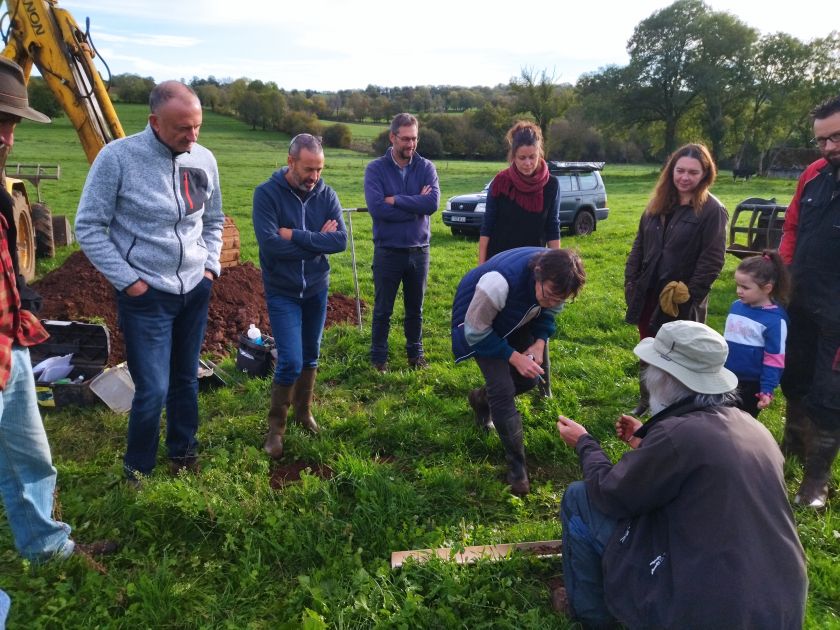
x=224, y=550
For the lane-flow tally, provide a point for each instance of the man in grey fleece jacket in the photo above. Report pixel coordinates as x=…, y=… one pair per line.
x=150, y=219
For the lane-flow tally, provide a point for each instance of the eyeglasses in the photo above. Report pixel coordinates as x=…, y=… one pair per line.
x=550, y=295
x=821, y=142
x=406, y=139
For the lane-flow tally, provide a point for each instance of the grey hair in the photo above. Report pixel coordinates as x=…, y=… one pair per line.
x=667, y=390
x=305, y=141
x=403, y=120
x=166, y=91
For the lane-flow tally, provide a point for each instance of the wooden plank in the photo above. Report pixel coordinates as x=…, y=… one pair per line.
x=542, y=549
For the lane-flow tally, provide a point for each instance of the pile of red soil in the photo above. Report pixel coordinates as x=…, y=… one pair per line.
x=77, y=291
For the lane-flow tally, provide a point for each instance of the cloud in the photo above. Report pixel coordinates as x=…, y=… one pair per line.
x=158, y=41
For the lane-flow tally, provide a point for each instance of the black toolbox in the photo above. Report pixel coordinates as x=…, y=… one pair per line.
x=90, y=345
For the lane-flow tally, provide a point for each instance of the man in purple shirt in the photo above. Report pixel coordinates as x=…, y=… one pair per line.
x=401, y=192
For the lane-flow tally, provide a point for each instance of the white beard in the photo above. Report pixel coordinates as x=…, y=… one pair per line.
x=656, y=405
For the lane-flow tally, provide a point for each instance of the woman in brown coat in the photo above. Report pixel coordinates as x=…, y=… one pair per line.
x=681, y=239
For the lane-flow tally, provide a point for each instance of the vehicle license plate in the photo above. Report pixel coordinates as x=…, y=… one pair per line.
x=459, y=219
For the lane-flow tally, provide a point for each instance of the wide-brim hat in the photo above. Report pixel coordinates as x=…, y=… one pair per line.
x=13, y=96
x=693, y=354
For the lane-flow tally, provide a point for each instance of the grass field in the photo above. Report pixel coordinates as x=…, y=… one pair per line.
x=224, y=550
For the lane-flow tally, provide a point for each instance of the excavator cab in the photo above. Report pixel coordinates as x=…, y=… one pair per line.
x=756, y=225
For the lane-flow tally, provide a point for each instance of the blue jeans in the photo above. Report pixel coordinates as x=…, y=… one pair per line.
x=297, y=324
x=163, y=335
x=27, y=476
x=392, y=266
x=586, y=532
x=5, y=604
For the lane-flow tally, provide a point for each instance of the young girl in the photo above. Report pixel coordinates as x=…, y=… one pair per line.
x=756, y=329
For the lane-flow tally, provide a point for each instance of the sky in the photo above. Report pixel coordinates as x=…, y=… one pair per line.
x=344, y=44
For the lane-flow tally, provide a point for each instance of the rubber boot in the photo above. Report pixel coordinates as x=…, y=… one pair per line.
x=302, y=397
x=281, y=398
x=797, y=431
x=644, y=396
x=481, y=408
x=510, y=433
x=822, y=450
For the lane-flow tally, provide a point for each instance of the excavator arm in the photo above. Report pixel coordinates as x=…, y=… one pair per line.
x=39, y=33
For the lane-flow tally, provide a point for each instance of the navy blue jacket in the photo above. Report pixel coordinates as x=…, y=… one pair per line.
x=513, y=265
x=406, y=223
x=299, y=267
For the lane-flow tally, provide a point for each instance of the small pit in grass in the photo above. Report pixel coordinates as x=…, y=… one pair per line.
x=284, y=474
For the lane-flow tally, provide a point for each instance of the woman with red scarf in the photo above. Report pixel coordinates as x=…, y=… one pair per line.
x=523, y=210
x=523, y=205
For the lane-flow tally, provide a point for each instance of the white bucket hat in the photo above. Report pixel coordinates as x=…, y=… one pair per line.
x=693, y=354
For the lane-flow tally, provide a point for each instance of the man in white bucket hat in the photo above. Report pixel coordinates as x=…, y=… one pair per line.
x=692, y=528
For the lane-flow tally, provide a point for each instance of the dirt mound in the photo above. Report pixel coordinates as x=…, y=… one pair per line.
x=77, y=291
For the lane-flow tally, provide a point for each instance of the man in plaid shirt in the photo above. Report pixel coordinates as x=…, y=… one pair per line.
x=27, y=476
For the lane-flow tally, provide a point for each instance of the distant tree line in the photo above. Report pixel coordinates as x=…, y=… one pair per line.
x=694, y=75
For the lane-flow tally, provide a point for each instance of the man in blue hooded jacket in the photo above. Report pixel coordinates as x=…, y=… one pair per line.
x=298, y=222
x=401, y=192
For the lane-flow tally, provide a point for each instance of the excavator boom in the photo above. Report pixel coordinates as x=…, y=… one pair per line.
x=39, y=33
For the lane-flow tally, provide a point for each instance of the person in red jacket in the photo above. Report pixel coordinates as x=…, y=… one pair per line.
x=810, y=242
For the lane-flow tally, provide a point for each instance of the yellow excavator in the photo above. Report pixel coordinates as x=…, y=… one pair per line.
x=39, y=33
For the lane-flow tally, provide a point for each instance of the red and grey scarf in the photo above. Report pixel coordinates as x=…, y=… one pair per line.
x=527, y=192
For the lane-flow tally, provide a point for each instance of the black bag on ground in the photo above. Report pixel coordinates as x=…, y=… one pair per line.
x=255, y=359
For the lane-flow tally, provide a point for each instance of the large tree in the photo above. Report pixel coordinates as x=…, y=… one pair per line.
x=778, y=77
x=720, y=73
x=663, y=52
x=540, y=96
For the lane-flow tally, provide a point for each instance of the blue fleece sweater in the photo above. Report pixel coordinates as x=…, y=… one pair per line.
x=756, y=338
x=296, y=267
x=406, y=223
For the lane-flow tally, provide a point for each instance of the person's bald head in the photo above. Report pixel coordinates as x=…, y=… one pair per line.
x=175, y=115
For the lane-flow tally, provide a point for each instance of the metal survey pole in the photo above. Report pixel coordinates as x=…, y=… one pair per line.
x=349, y=212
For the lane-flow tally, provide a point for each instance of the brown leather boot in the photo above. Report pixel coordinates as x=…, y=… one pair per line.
x=302, y=397
x=281, y=398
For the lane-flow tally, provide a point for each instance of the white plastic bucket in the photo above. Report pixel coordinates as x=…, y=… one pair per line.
x=115, y=387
